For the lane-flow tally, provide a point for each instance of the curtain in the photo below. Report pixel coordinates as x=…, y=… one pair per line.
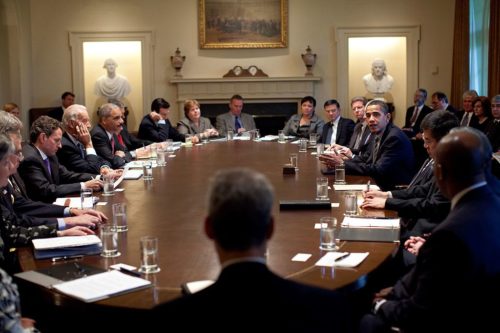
x=494, y=49
x=460, y=67
x=479, y=34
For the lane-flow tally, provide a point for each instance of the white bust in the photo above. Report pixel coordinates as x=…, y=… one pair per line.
x=112, y=85
x=378, y=81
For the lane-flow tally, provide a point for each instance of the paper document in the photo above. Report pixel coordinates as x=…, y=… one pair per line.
x=360, y=222
x=354, y=187
x=71, y=202
x=68, y=241
x=352, y=260
x=195, y=286
x=100, y=286
x=132, y=174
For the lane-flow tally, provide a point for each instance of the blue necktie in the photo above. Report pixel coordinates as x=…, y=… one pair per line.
x=237, y=124
x=47, y=165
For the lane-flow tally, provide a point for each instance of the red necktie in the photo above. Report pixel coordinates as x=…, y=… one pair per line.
x=120, y=140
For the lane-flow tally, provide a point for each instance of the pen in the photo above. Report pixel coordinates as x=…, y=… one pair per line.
x=367, y=186
x=128, y=271
x=345, y=255
x=56, y=259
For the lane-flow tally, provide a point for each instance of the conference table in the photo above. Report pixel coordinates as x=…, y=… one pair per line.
x=173, y=207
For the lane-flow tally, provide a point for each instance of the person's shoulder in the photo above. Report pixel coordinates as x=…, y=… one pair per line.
x=224, y=115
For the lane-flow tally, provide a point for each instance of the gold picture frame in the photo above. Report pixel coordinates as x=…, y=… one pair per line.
x=243, y=24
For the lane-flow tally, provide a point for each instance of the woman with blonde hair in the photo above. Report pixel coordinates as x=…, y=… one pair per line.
x=193, y=123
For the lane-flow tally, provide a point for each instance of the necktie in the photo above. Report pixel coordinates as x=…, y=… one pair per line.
x=112, y=141
x=414, y=116
x=80, y=148
x=47, y=165
x=376, y=149
x=422, y=172
x=333, y=139
x=465, y=119
x=359, y=137
x=237, y=124
x=120, y=140
x=15, y=186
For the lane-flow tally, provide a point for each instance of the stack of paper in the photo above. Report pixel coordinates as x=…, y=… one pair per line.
x=100, y=286
x=71, y=202
x=66, y=246
x=354, y=187
x=370, y=222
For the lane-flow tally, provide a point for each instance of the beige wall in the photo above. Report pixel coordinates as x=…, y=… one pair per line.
x=174, y=23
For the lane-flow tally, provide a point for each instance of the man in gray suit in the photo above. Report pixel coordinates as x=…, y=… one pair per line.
x=234, y=120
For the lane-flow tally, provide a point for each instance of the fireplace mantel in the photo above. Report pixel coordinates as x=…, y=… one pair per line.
x=257, y=89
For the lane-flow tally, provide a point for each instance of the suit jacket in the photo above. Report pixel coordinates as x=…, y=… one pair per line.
x=186, y=126
x=131, y=141
x=455, y=284
x=345, y=127
x=416, y=127
x=225, y=122
x=231, y=302
x=394, y=162
x=56, y=113
x=70, y=156
x=494, y=135
x=292, y=126
x=365, y=140
x=45, y=186
x=152, y=131
x=103, y=147
x=23, y=205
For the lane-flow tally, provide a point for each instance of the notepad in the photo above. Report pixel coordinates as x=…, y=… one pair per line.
x=352, y=260
x=72, y=202
x=132, y=174
x=101, y=286
x=360, y=222
x=354, y=187
x=68, y=241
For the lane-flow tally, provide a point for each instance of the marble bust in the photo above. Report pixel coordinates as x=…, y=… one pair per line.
x=378, y=81
x=112, y=85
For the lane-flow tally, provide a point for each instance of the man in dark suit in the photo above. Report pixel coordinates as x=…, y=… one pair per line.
x=389, y=159
x=44, y=177
x=247, y=293
x=234, y=120
x=124, y=137
x=421, y=206
x=105, y=139
x=67, y=99
x=455, y=284
x=338, y=130
x=361, y=137
x=77, y=152
x=440, y=102
x=156, y=127
x=416, y=113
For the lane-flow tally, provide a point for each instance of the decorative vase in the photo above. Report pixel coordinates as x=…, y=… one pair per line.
x=309, y=60
x=177, y=61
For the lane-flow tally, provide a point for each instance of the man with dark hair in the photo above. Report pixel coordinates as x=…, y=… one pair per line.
x=337, y=130
x=389, y=159
x=440, y=102
x=455, y=284
x=234, y=120
x=247, y=293
x=67, y=99
x=44, y=177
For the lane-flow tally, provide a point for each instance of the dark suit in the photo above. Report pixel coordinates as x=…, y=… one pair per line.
x=56, y=113
x=152, y=131
x=345, y=127
x=248, y=297
x=455, y=284
x=364, y=140
x=413, y=130
x=71, y=157
x=103, y=147
x=131, y=141
x=394, y=162
x=45, y=186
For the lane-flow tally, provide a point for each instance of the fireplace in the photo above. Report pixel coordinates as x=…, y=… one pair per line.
x=271, y=101
x=268, y=117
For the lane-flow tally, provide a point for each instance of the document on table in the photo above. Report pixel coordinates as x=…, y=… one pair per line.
x=354, y=187
x=100, y=286
x=71, y=202
x=352, y=260
x=68, y=241
x=360, y=222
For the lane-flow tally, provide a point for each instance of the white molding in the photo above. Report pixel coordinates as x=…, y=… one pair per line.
x=77, y=38
x=412, y=34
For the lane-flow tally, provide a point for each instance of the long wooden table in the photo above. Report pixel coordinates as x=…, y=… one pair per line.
x=173, y=205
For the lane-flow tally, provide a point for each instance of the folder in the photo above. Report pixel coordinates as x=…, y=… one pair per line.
x=305, y=204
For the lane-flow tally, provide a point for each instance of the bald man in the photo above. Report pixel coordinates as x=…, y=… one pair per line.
x=457, y=274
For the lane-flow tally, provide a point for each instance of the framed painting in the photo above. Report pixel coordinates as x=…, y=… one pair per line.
x=240, y=24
